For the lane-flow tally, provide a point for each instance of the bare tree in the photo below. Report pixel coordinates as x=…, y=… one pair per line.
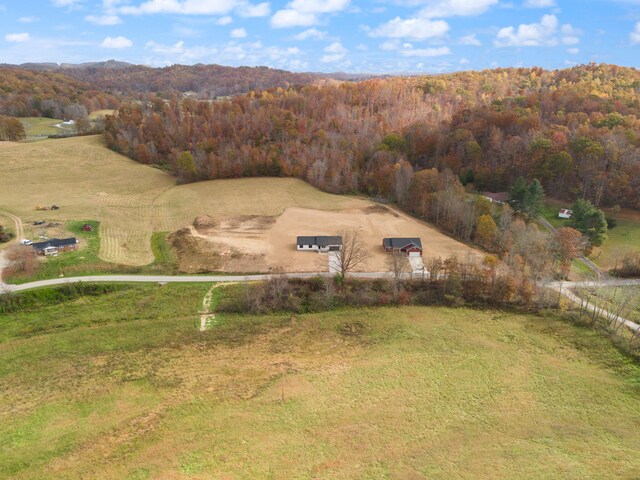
x=352, y=254
x=398, y=265
x=22, y=260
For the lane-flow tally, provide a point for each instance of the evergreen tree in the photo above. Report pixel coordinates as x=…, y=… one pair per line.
x=518, y=194
x=590, y=221
x=534, y=200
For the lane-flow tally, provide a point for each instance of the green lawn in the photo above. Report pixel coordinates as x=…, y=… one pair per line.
x=122, y=385
x=623, y=238
x=42, y=127
x=86, y=261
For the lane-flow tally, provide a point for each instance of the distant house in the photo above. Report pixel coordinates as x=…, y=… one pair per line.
x=411, y=247
x=565, y=213
x=319, y=243
x=499, y=198
x=55, y=245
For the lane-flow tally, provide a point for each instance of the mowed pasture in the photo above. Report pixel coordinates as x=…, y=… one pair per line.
x=131, y=201
x=35, y=127
x=123, y=386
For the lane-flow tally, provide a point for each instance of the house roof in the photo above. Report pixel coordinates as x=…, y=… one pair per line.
x=565, y=210
x=497, y=196
x=321, y=241
x=55, y=242
x=402, y=243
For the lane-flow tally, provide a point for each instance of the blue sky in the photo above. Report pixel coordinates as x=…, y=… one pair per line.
x=376, y=36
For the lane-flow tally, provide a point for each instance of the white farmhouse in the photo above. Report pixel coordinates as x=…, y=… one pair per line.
x=319, y=244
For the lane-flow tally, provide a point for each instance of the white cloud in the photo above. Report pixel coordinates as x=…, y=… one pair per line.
x=226, y=20
x=197, y=7
x=416, y=28
x=634, y=36
x=17, y=37
x=539, y=3
x=238, y=33
x=65, y=3
x=573, y=51
x=464, y=61
x=107, y=19
x=542, y=34
x=179, y=52
x=28, y=19
x=116, y=42
x=304, y=13
x=454, y=8
x=311, y=33
x=292, y=18
x=249, y=11
x=334, y=53
x=390, y=45
x=470, y=40
x=409, y=51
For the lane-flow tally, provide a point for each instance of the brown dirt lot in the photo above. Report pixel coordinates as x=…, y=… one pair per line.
x=257, y=244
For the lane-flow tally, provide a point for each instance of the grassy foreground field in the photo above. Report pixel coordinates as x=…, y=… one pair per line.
x=123, y=386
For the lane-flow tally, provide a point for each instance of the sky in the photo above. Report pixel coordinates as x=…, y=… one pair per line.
x=375, y=36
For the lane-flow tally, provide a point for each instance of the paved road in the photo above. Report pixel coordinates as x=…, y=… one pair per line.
x=586, y=261
x=564, y=289
x=176, y=279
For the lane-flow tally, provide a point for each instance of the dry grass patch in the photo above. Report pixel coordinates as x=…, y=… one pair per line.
x=124, y=386
x=130, y=200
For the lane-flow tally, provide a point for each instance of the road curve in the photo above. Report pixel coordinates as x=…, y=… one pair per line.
x=18, y=225
x=564, y=289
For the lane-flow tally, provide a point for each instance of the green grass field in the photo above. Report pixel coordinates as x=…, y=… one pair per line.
x=624, y=237
x=43, y=127
x=86, y=260
x=122, y=385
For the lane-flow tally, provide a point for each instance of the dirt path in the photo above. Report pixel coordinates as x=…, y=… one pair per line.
x=207, y=316
x=19, y=228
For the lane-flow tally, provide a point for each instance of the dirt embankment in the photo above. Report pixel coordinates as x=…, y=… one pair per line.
x=266, y=243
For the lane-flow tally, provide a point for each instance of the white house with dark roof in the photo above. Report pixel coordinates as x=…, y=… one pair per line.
x=319, y=243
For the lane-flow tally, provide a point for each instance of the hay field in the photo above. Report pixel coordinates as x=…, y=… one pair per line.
x=124, y=386
x=130, y=200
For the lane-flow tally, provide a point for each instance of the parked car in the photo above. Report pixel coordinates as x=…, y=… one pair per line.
x=26, y=241
x=39, y=222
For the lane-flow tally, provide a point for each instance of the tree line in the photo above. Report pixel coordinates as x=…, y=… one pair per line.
x=575, y=130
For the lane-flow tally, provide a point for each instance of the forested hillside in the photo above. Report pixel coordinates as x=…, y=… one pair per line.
x=46, y=90
x=577, y=130
x=205, y=81
x=25, y=93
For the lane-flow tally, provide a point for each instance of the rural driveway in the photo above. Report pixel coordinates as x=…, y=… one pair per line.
x=586, y=261
x=19, y=228
x=417, y=265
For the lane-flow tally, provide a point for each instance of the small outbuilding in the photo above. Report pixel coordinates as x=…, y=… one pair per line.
x=565, y=213
x=87, y=228
x=411, y=247
x=55, y=245
x=319, y=243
